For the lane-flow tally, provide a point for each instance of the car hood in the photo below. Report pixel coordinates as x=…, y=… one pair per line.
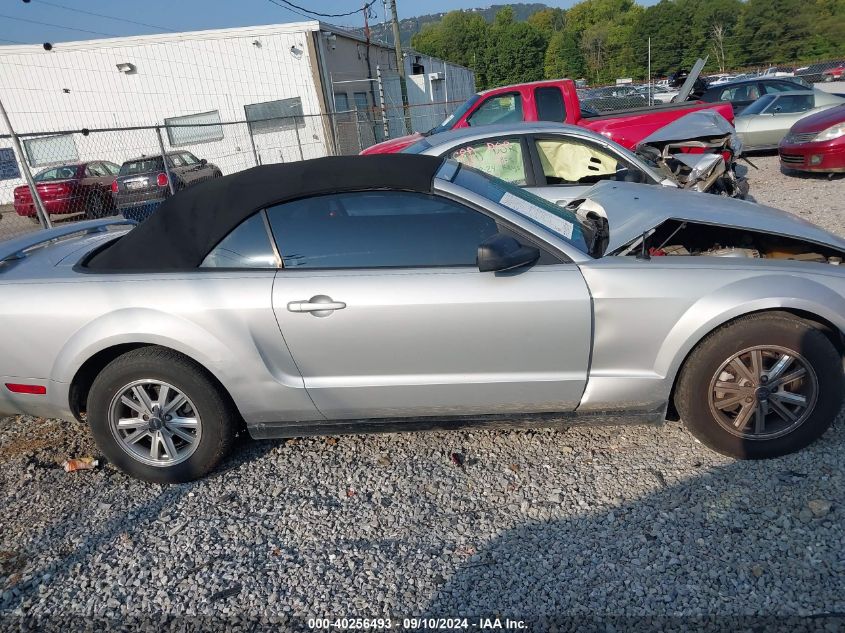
x=820, y=121
x=393, y=145
x=632, y=209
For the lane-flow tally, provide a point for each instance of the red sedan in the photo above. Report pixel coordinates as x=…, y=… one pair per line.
x=834, y=74
x=816, y=143
x=79, y=188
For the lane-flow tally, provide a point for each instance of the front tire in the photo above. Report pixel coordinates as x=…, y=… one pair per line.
x=762, y=386
x=159, y=416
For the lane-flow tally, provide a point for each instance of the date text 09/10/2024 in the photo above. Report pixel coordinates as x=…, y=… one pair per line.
x=419, y=624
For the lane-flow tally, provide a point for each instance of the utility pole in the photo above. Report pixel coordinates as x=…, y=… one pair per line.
x=400, y=62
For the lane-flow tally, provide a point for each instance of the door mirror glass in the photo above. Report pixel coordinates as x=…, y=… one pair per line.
x=502, y=252
x=203, y=162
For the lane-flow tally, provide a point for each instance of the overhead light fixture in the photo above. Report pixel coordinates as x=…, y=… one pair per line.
x=126, y=68
x=256, y=43
x=296, y=52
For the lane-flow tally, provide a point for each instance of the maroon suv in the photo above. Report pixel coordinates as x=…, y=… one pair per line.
x=76, y=188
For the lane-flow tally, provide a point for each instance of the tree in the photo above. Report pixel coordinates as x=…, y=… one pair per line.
x=717, y=35
x=563, y=57
x=548, y=21
x=460, y=37
x=515, y=51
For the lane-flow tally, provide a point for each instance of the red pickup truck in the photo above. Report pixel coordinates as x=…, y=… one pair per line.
x=556, y=100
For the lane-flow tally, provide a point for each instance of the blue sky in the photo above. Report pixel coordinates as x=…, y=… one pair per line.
x=39, y=21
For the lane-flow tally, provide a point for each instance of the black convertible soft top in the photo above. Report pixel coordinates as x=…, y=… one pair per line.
x=189, y=225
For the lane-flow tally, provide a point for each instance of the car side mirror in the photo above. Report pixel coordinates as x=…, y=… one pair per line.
x=502, y=252
x=203, y=162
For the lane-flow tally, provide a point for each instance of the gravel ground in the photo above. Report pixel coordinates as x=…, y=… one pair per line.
x=609, y=521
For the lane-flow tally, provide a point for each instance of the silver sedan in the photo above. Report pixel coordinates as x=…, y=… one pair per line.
x=387, y=293
x=764, y=123
x=556, y=161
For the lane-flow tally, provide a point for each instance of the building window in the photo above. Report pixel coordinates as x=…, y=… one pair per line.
x=48, y=150
x=8, y=164
x=341, y=102
x=272, y=116
x=194, y=128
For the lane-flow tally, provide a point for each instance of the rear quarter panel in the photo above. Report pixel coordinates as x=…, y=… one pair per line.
x=222, y=320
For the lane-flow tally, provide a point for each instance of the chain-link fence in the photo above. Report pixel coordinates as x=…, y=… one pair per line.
x=603, y=99
x=86, y=174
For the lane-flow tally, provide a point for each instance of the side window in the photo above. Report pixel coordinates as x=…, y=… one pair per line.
x=790, y=104
x=378, y=229
x=92, y=170
x=189, y=158
x=550, y=104
x=779, y=86
x=570, y=162
x=112, y=169
x=505, y=108
x=176, y=160
x=247, y=246
x=502, y=158
x=744, y=92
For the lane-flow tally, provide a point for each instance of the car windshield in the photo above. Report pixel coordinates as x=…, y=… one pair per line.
x=758, y=106
x=455, y=116
x=56, y=173
x=141, y=166
x=548, y=215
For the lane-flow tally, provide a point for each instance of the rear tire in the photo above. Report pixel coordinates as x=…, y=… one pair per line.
x=722, y=405
x=128, y=414
x=96, y=209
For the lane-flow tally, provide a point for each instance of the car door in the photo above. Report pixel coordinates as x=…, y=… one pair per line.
x=200, y=168
x=383, y=307
x=498, y=108
x=190, y=169
x=780, y=116
x=103, y=176
x=567, y=166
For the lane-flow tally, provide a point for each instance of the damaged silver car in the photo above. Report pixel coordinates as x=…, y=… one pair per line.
x=559, y=162
x=700, y=152
x=401, y=292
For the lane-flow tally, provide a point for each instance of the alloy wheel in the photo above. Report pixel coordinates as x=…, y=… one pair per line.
x=763, y=392
x=155, y=422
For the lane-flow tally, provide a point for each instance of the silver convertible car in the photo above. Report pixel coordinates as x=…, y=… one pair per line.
x=404, y=292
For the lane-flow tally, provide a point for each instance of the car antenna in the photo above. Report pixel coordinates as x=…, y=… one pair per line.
x=644, y=254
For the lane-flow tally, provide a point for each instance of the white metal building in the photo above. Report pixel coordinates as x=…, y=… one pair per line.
x=285, y=80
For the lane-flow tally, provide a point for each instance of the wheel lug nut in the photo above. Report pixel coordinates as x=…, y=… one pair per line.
x=168, y=418
x=145, y=417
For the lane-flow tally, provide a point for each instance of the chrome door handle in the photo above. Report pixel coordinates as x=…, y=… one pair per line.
x=319, y=305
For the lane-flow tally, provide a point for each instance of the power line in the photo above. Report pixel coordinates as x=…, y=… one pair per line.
x=3, y=39
x=107, y=17
x=58, y=26
x=322, y=15
x=304, y=15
